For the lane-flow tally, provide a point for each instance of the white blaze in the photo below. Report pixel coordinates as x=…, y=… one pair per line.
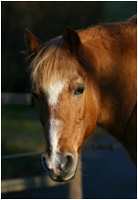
x=55, y=126
x=54, y=90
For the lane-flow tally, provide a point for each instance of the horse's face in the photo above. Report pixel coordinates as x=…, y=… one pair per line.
x=72, y=118
x=68, y=113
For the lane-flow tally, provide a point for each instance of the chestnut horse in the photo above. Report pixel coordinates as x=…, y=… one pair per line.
x=83, y=79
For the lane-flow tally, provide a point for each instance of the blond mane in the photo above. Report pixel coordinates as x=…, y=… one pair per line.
x=52, y=63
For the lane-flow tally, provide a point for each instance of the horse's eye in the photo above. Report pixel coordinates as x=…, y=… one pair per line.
x=35, y=95
x=79, y=90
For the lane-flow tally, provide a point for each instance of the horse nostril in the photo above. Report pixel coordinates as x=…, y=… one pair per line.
x=68, y=162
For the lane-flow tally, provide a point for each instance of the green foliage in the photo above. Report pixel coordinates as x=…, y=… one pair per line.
x=21, y=132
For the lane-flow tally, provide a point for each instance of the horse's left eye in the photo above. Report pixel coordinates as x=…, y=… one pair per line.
x=79, y=90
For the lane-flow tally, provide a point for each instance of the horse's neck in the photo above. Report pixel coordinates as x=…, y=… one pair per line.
x=117, y=78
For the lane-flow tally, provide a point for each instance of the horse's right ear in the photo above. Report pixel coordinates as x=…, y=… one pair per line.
x=32, y=42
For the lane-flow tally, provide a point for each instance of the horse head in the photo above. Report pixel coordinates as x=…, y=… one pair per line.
x=67, y=99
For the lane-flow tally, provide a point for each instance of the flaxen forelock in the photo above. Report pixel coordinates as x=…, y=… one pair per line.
x=50, y=63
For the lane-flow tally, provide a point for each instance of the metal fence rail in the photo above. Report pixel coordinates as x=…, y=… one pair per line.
x=20, y=155
x=16, y=98
x=95, y=146
x=16, y=185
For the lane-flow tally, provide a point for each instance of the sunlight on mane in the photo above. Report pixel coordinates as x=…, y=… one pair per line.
x=51, y=63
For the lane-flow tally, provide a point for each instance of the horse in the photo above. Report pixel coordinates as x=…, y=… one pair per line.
x=83, y=79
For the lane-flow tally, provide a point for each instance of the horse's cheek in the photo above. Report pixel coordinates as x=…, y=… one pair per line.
x=90, y=120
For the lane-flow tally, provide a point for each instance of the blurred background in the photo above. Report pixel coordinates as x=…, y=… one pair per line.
x=106, y=172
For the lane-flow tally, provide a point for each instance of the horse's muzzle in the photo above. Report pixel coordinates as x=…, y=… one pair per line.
x=63, y=169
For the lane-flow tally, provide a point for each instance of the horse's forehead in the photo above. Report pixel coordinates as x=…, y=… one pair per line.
x=53, y=90
x=56, y=86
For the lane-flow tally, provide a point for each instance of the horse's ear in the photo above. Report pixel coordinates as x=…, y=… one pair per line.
x=32, y=42
x=133, y=19
x=71, y=41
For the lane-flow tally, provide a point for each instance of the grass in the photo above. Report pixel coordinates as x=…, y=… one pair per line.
x=21, y=132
